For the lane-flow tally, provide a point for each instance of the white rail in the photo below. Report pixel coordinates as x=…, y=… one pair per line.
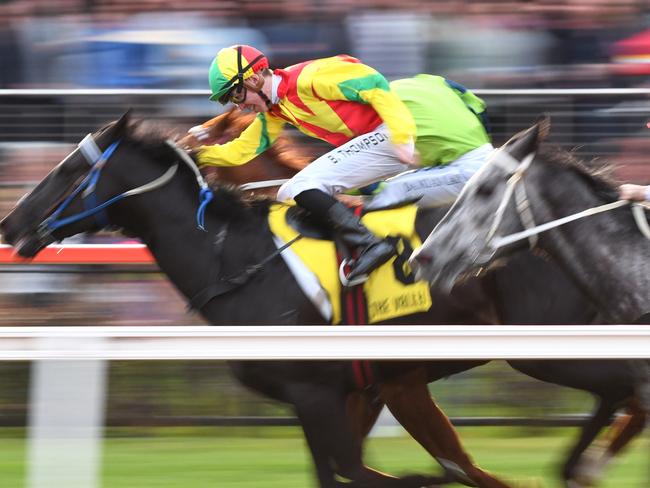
x=325, y=342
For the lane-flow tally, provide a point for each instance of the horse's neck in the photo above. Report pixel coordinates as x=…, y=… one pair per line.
x=609, y=259
x=180, y=251
x=193, y=261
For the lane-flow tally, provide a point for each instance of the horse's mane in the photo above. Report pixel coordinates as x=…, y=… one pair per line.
x=233, y=204
x=597, y=173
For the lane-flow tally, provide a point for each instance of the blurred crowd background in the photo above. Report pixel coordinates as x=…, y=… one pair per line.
x=483, y=43
x=126, y=44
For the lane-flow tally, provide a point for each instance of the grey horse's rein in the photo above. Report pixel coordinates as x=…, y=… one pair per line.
x=516, y=186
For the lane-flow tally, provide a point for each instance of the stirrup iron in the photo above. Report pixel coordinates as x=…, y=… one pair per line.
x=344, y=279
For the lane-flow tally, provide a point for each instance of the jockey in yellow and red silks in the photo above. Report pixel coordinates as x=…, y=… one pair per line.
x=337, y=99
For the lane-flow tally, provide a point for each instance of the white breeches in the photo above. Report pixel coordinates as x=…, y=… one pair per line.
x=435, y=185
x=357, y=163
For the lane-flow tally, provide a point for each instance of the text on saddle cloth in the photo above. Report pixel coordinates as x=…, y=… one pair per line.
x=390, y=291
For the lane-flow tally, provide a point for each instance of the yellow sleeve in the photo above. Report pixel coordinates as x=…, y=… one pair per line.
x=394, y=113
x=357, y=82
x=254, y=140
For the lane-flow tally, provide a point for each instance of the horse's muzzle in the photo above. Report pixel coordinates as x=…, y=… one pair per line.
x=26, y=242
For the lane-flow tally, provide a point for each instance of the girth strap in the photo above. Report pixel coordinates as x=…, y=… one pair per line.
x=220, y=286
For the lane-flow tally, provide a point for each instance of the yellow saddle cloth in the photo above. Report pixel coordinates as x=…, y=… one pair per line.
x=391, y=290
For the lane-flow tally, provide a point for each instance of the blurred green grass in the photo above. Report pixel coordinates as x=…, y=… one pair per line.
x=278, y=458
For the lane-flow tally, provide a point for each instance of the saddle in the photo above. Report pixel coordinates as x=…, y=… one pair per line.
x=391, y=290
x=305, y=224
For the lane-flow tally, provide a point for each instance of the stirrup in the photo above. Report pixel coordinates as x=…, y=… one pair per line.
x=344, y=279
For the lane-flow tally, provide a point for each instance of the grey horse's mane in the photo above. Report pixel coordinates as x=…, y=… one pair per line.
x=596, y=172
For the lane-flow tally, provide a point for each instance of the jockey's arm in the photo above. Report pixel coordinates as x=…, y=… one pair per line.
x=198, y=135
x=254, y=140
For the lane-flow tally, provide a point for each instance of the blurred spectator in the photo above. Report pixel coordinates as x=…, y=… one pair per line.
x=296, y=31
x=11, y=62
x=165, y=43
x=380, y=38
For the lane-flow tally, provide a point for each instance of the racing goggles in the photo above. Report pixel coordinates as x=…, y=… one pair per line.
x=236, y=95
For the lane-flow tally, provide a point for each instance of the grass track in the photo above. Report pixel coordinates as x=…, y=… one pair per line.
x=242, y=461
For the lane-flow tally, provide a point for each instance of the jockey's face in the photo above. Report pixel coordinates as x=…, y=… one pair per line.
x=253, y=101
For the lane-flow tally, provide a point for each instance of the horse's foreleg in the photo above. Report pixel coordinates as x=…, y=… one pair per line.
x=409, y=401
x=363, y=409
x=334, y=443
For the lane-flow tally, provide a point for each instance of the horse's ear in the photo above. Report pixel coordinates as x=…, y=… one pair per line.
x=544, y=125
x=527, y=141
x=122, y=123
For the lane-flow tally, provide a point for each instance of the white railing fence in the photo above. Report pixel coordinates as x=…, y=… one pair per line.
x=325, y=342
x=68, y=387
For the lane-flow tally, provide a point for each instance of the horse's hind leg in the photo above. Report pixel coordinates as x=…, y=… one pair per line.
x=623, y=430
x=626, y=428
x=589, y=432
x=410, y=402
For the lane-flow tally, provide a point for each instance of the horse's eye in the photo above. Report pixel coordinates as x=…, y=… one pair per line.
x=485, y=189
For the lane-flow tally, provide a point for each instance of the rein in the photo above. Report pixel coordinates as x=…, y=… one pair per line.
x=97, y=159
x=516, y=186
x=254, y=185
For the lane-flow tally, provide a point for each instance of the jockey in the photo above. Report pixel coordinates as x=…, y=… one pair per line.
x=337, y=99
x=452, y=142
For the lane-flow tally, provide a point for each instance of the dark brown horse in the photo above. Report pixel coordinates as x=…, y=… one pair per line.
x=144, y=163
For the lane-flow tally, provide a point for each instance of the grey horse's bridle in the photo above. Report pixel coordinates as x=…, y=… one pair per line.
x=516, y=186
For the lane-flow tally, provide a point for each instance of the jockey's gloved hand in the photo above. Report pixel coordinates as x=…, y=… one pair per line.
x=407, y=154
x=199, y=132
x=634, y=192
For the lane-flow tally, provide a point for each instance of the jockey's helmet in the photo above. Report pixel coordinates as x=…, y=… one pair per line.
x=231, y=67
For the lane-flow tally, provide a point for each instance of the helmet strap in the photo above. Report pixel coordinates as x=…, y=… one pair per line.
x=266, y=99
x=238, y=79
x=257, y=88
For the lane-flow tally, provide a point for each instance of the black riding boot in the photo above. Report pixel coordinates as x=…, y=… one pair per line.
x=373, y=252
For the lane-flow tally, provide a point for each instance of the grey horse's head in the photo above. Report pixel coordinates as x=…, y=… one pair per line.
x=461, y=243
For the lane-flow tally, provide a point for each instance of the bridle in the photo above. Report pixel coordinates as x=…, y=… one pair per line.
x=97, y=160
x=515, y=187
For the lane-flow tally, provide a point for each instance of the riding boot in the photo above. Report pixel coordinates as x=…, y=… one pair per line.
x=373, y=252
